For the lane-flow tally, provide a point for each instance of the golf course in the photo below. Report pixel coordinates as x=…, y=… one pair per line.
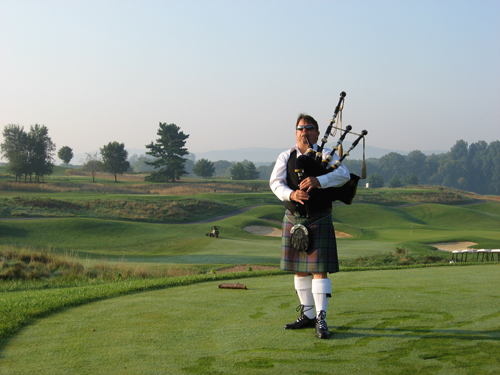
x=122, y=278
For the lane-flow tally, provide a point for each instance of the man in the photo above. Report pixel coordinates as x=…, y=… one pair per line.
x=312, y=266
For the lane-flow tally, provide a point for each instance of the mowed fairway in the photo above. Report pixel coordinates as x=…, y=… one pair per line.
x=441, y=320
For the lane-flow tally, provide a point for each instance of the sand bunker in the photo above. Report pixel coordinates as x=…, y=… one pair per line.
x=451, y=246
x=342, y=235
x=275, y=232
x=263, y=230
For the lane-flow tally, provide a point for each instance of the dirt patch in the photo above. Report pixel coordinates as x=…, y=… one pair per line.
x=451, y=246
x=244, y=268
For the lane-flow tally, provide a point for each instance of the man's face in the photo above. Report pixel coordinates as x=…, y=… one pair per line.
x=312, y=134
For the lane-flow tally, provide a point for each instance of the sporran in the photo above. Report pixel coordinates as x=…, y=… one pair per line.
x=299, y=238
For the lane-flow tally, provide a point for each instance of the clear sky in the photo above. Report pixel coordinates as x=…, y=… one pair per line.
x=236, y=73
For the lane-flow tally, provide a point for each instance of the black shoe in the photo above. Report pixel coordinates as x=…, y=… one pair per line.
x=303, y=321
x=322, y=331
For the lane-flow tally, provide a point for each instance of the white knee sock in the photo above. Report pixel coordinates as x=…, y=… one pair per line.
x=321, y=289
x=303, y=286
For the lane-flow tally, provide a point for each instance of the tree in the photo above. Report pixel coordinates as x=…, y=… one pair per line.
x=410, y=179
x=395, y=182
x=28, y=153
x=41, y=152
x=265, y=171
x=139, y=165
x=244, y=170
x=238, y=171
x=168, y=152
x=392, y=163
x=65, y=154
x=93, y=164
x=454, y=168
x=251, y=173
x=222, y=167
x=204, y=168
x=478, y=160
x=375, y=180
x=430, y=174
x=114, y=158
x=15, y=149
x=416, y=163
x=492, y=168
x=189, y=166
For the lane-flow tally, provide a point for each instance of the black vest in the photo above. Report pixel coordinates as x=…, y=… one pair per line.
x=317, y=201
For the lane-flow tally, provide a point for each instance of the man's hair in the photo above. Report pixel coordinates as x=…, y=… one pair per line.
x=308, y=119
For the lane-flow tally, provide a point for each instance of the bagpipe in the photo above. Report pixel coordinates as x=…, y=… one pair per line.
x=312, y=163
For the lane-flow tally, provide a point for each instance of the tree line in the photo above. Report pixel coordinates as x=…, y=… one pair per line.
x=474, y=167
x=32, y=153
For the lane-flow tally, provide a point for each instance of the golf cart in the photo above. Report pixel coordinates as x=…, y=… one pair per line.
x=214, y=232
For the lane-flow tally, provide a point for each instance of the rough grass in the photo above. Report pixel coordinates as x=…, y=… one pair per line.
x=159, y=210
x=132, y=186
x=45, y=268
x=398, y=258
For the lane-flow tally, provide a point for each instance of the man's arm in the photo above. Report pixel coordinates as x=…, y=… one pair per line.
x=277, y=182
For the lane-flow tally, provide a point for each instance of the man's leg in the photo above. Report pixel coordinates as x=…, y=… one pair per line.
x=303, y=286
x=321, y=290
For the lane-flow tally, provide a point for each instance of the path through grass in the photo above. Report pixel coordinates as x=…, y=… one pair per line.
x=441, y=320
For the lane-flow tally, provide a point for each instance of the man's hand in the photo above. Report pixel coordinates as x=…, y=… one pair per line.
x=299, y=196
x=309, y=183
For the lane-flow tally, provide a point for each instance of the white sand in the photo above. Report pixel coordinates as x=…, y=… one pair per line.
x=451, y=246
x=263, y=230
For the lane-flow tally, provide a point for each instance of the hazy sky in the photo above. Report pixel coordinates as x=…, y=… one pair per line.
x=231, y=74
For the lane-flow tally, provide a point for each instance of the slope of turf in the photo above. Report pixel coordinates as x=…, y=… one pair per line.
x=374, y=229
x=423, y=321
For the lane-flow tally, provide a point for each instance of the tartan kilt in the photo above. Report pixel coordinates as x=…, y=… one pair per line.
x=321, y=255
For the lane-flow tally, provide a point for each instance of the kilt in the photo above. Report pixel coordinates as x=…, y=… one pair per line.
x=321, y=255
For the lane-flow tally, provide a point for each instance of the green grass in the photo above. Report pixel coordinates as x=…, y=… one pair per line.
x=376, y=229
x=423, y=321
x=146, y=207
x=18, y=306
x=387, y=322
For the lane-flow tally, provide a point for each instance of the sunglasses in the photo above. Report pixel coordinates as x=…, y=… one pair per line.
x=306, y=127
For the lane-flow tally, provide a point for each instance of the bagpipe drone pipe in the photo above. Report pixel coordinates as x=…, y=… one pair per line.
x=312, y=164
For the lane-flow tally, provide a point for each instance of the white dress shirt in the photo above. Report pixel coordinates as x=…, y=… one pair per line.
x=278, y=184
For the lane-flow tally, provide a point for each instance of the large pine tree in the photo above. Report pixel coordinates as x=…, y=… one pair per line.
x=168, y=151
